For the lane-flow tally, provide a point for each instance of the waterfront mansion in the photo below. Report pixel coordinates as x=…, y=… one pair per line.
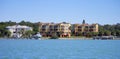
x=18, y=30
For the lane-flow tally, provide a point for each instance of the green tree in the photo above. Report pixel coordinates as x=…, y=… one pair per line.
x=117, y=32
x=101, y=33
x=7, y=33
x=36, y=27
x=94, y=33
x=54, y=36
x=4, y=33
x=80, y=34
x=101, y=30
x=113, y=33
x=89, y=34
x=107, y=33
x=28, y=34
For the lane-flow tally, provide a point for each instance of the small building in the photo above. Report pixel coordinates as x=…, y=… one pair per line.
x=18, y=30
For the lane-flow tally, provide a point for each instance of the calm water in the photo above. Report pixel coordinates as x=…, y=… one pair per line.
x=59, y=49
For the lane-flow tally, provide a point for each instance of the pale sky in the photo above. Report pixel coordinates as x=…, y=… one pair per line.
x=71, y=11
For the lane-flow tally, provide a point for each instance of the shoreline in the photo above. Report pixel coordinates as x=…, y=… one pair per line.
x=47, y=38
x=66, y=38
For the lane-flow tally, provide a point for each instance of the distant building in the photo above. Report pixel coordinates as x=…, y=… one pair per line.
x=18, y=30
x=84, y=28
x=59, y=29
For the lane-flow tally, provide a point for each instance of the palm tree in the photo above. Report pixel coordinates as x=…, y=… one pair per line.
x=54, y=36
x=28, y=33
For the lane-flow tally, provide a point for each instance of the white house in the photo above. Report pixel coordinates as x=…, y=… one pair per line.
x=18, y=30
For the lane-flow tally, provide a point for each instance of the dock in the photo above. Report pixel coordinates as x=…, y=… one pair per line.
x=104, y=37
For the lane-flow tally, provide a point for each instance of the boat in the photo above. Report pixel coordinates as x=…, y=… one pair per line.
x=36, y=36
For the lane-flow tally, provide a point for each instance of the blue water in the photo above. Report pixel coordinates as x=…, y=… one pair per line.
x=59, y=49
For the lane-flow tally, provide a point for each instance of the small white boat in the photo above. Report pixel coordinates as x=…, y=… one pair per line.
x=36, y=36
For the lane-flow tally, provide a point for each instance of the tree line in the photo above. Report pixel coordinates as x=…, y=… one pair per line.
x=109, y=30
x=104, y=30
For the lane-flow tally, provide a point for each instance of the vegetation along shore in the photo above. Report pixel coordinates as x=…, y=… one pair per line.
x=69, y=30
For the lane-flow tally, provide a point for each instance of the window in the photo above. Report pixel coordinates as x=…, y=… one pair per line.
x=79, y=26
x=86, y=26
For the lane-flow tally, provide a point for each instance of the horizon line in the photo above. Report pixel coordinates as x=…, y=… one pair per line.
x=57, y=22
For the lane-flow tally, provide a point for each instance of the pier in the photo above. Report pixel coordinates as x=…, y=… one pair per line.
x=104, y=37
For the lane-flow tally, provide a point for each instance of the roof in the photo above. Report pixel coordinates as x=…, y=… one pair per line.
x=18, y=26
